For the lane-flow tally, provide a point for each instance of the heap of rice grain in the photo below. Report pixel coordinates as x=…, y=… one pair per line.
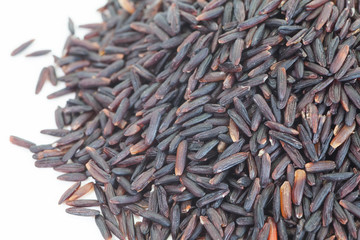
x=222, y=119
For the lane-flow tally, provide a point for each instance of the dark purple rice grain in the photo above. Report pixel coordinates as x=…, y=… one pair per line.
x=22, y=47
x=69, y=192
x=38, y=53
x=251, y=22
x=86, y=212
x=97, y=173
x=101, y=223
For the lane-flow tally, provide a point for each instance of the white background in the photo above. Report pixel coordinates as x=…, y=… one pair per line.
x=29, y=195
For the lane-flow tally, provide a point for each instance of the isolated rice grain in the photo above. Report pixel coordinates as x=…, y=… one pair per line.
x=38, y=53
x=22, y=47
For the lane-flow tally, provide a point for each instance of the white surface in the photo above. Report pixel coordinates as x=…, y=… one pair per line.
x=29, y=195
